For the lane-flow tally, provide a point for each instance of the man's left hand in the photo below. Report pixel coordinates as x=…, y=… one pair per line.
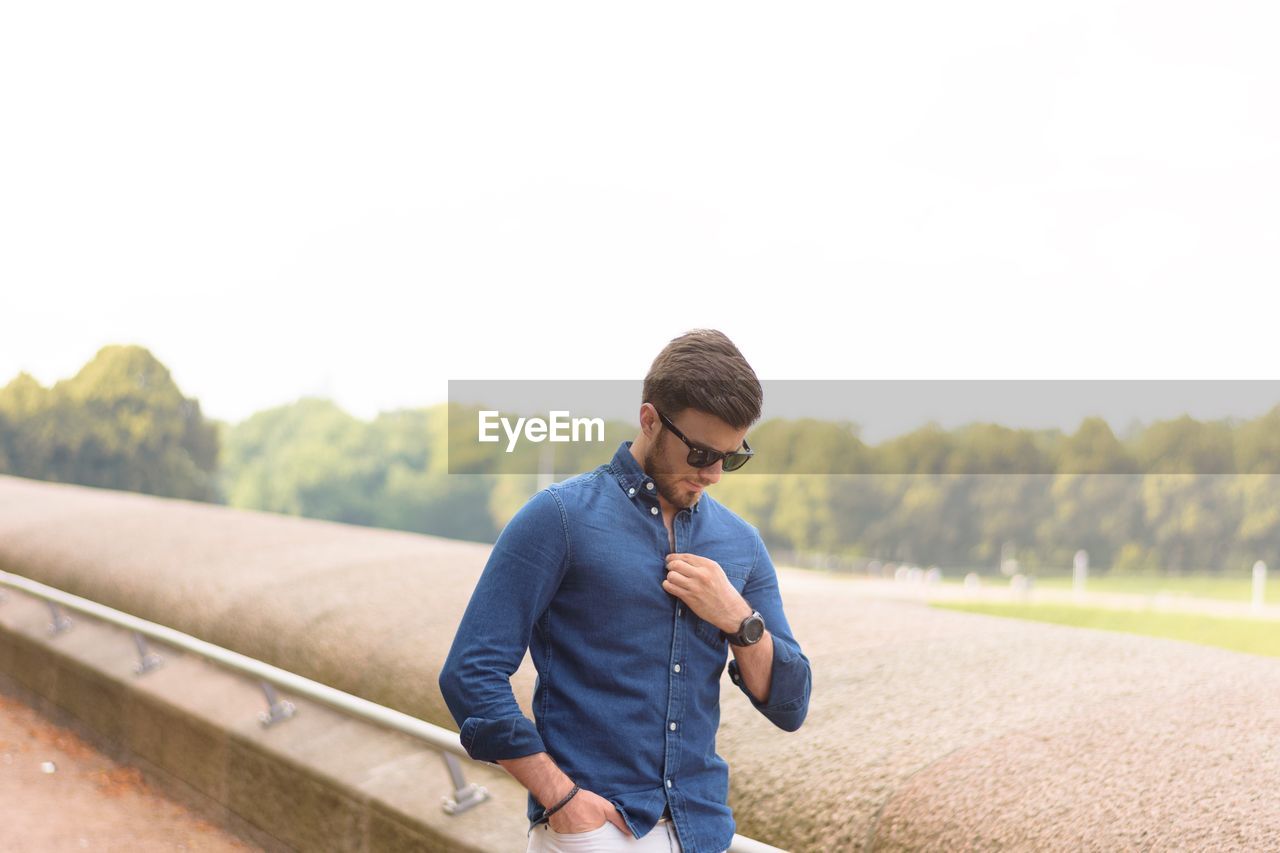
x=701, y=584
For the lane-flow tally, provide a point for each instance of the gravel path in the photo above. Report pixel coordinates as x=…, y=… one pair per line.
x=87, y=802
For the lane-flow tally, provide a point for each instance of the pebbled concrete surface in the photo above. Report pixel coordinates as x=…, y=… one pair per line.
x=936, y=730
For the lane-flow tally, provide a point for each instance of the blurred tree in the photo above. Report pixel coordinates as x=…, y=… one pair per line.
x=1190, y=520
x=120, y=423
x=928, y=521
x=1099, y=512
x=922, y=451
x=1185, y=445
x=1093, y=449
x=1257, y=444
x=994, y=449
x=754, y=497
x=1006, y=508
x=313, y=459
x=809, y=446
x=1258, y=535
x=24, y=403
x=802, y=515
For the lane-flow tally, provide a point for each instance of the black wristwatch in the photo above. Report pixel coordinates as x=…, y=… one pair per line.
x=749, y=632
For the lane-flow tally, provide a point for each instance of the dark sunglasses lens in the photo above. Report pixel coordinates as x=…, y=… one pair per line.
x=700, y=458
x=704, y=459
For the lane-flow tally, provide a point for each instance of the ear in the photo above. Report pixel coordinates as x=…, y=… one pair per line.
x=649, y=422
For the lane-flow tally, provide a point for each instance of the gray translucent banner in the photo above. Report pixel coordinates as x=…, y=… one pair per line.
x=895, y=426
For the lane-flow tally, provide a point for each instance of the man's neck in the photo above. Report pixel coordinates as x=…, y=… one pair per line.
x=634, y=450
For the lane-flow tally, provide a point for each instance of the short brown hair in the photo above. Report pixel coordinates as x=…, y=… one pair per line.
x=703, y=370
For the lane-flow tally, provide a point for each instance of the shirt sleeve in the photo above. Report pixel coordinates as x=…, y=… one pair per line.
x=522, y=574
x=791, y=678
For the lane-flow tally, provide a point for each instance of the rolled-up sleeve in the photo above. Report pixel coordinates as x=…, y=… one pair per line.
x=521, y=576
x=791, y=678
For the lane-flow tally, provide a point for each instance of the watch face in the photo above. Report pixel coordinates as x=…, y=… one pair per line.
x=753, y=630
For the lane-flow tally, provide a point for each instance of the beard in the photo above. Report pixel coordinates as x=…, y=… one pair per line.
x=663, y=481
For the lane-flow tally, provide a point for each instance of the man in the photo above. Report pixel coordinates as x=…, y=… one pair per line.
x=629, y=585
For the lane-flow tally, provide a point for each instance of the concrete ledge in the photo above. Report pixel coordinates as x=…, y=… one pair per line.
x=317, y=781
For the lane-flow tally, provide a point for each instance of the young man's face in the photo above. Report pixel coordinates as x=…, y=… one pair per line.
x=667, y=458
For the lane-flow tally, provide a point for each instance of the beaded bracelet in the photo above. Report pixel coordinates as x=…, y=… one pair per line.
x=559, y=805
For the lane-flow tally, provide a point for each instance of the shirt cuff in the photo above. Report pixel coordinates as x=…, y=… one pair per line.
x=507, y=737
x=789, y=686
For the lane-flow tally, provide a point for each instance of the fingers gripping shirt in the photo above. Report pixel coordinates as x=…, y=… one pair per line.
x=627, y=699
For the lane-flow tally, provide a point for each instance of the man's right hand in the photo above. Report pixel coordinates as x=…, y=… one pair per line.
x=585, y=812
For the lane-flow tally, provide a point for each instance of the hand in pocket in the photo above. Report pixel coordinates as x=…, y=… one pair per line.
x=585, y=812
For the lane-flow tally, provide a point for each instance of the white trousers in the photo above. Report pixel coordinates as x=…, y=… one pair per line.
x=604, y=839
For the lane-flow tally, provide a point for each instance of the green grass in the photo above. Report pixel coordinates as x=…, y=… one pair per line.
x=1257, y=637
x=1231, y=588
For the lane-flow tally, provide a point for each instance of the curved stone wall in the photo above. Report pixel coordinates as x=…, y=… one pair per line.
x=927, y=729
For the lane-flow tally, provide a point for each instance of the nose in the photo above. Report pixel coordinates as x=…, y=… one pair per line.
x=710, y=475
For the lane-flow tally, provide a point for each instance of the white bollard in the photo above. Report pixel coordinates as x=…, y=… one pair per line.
x=1020, y=586
x=1079, y=572
x=1259, y=584
x=972, y=583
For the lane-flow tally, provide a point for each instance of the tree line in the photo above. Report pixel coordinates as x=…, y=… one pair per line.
x=1172, y=496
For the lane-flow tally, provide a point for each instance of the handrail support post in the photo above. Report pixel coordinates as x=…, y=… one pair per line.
x=277, y=709
x=464, y=796
x=61, y=621
x=147, y=661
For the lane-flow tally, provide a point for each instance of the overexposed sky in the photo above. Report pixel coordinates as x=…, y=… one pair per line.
x=366, y=200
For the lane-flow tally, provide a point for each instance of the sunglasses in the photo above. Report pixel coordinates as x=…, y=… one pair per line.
x=702, y=457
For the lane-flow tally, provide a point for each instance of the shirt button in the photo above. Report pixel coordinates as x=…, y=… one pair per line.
x=668, y=783
x=653, y=510
x=631, y=491
x=672, y=727
x=649, y=485
x=677, y=667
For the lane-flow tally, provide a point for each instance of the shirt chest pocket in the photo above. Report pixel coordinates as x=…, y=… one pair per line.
x=706, y=631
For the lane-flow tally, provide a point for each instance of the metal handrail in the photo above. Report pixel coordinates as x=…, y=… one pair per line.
x=465, y=796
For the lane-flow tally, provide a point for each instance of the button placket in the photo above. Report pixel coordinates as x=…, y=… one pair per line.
x=676, y=696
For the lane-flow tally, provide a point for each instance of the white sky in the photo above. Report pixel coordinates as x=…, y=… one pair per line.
x=366, y=200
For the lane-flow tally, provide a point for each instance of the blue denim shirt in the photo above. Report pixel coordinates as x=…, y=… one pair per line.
x=627, y=698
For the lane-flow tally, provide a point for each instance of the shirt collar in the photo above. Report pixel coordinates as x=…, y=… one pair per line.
x=631, y=476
